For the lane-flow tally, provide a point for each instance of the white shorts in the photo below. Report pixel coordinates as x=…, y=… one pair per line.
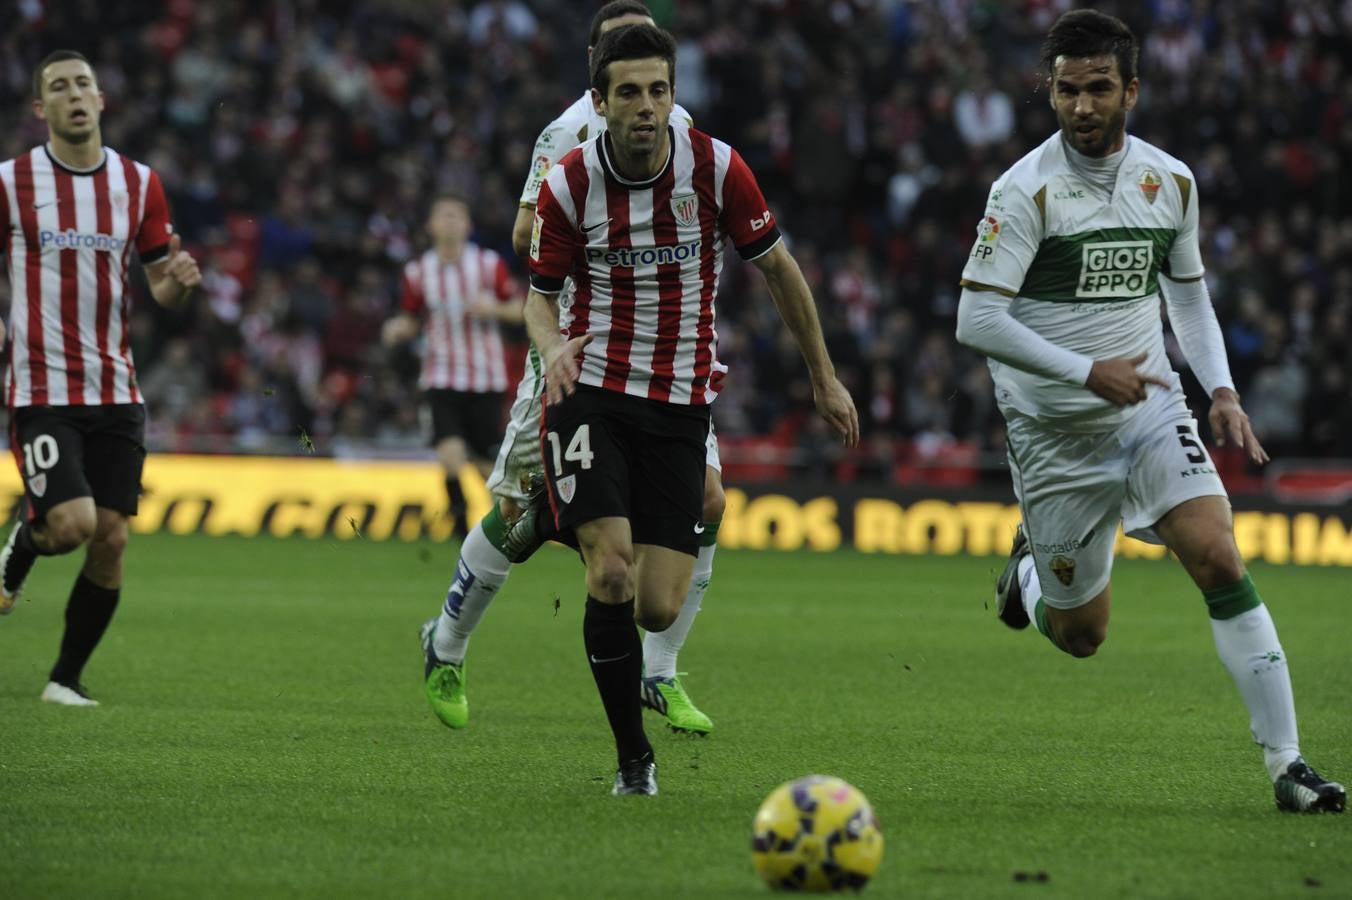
x=1074, y=490
x=519, y=454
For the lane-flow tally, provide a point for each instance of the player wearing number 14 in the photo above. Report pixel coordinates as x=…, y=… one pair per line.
x=70, y=213
x=638, y=218
x=1062, y=292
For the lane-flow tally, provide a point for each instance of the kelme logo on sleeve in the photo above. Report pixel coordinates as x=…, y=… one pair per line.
x=1115, y=269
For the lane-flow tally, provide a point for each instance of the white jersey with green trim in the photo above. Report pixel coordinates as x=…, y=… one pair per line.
x=1083, y=268
x=577, y=123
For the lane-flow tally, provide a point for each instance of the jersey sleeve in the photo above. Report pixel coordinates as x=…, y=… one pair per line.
x=552, y=239
x=550, y=146
x=5, y=235
x=746, y=215
x=1007, y=238
x=152, y=241
x=1185, y=256
x=411, y=297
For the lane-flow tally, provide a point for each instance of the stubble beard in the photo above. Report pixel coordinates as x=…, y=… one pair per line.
x=1113, y=129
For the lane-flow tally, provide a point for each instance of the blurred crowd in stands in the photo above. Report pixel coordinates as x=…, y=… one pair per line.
x=298, y=141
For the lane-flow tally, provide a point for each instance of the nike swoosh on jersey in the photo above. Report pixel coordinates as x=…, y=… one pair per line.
x=587, y=229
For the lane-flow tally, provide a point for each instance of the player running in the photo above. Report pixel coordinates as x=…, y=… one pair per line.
x=1061, y=291
x=485, y=559
x=70, y=213
x=639, y=218
x=457, y=295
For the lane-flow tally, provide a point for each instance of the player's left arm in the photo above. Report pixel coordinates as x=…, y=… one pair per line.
x=502, y=301
x=747, y=220
x=171, y=271
x=1193, y=319
x=793, y=299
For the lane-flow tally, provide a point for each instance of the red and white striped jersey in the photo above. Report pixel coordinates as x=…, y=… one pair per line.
x=66, y=238
x=461, y=352
x=645, y=258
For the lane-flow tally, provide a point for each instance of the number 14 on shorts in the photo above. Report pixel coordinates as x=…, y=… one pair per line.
x=579, y=449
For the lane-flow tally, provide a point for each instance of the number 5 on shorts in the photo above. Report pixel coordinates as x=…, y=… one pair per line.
x=579, y=448
x=1195, y=452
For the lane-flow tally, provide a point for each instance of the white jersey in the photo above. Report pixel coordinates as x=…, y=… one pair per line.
x=578, y=124
x=1083, y=268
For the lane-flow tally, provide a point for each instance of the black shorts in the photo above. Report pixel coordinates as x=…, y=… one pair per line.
x=610, y=454
x=477, y=418
x=64, y=452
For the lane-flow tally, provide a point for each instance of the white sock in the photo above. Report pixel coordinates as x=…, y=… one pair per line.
x=479, y=572
x=1030, y=589
x=1249, y=648
x=661, y=647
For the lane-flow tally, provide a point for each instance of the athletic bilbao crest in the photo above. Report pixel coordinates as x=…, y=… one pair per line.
x=1150, y=185
x=38, y=484
x=686, y=210
x=566, y=487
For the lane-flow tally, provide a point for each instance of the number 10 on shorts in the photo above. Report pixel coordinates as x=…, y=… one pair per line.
x=579, y=448
x=40, y=454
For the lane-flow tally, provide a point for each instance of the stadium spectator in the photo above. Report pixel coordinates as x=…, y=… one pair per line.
x=310, y=134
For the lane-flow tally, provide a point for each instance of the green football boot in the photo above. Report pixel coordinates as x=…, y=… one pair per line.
x=668, y=697
x=444, y=683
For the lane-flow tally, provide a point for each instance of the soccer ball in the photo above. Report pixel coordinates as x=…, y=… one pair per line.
x=816, y=834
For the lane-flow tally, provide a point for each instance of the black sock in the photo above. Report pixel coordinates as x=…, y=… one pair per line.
x=88, y=613
x=458, y=509
x=616, y=657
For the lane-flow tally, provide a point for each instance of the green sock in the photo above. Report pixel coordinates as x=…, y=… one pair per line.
x=1045, y=629
x=709, y=537
x=1232, y=600
x=495, y=527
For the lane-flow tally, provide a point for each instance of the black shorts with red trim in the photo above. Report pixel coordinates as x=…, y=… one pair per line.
x=610, y=454
x=65, y=452
x=474, y=417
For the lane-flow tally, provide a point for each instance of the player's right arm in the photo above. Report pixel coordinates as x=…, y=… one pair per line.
x=556, y=140
x=550, y=247
x=1008, y=237
x=404, y=325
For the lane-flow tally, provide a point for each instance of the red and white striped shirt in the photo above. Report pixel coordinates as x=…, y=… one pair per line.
x=66, y=238
x=645, y=258
x=462, y=353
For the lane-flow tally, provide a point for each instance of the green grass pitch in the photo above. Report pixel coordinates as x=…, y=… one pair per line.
x=264, y=734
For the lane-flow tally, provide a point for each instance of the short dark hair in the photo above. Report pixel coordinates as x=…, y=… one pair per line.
x=449, y=195
x=1083, y=33
x=631, y=42
x=55, y=56
x=613, y=10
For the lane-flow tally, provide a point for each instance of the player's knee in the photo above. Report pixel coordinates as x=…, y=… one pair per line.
x=655, y=619
x=1219, y=564
x=66, y=532
x=110, y=545
x=715, y=501
x=610, y=578
x=1082, y=643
